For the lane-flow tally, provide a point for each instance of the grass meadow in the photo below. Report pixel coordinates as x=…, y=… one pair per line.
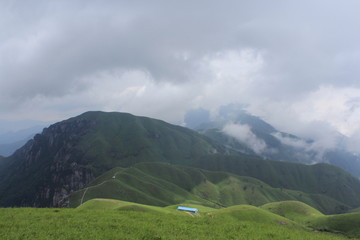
x=135, y=221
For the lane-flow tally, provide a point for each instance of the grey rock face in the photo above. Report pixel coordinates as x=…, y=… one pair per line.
x=60, y=168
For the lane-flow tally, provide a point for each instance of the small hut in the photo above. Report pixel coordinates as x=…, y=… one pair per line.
x=187, y=209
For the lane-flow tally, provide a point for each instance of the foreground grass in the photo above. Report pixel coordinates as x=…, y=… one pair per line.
x=28, y=223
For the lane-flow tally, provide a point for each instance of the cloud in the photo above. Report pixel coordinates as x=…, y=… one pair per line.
x=337, y=106
x=293, y=142
x=327, y=115
x=313, y=150
x=296, y=64
x=353, y=143
x=243, y=133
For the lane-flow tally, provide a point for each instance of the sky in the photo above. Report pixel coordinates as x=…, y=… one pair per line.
x=296, y=64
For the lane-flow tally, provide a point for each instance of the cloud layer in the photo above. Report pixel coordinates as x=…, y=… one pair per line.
x=294, y=63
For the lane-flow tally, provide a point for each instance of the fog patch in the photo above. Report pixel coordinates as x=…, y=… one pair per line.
x=244, y=134
x=311, y=149
x=291, y=141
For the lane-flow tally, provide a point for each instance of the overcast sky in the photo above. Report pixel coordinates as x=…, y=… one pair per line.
x=294, y=63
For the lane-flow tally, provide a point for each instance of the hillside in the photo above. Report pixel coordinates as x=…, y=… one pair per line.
x=293, y=210
x=162, y=184
x=69, y=154
x=347, y=224
x=316, y=179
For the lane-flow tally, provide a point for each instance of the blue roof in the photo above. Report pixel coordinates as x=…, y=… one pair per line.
x=194, y=210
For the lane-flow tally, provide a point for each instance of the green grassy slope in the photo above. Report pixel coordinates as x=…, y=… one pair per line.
x=293, y=210
x=112, y=204
x=164, y=184
x=322, y=179
x=238, y=222
x=347, y=224
x=253, y=214
x=355, y=210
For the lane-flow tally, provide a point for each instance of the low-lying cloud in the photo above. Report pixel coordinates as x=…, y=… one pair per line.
x=243, y=133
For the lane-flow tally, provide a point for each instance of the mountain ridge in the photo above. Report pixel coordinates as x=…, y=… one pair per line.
x=69, y=155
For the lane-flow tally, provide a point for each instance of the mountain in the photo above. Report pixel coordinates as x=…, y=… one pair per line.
x=9, y=148
x=69, y=154
x=10, y=141
x=18, y=135
x=74, y=154
x=245, y=133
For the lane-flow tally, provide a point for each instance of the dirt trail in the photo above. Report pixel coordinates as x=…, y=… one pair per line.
x=82, y=198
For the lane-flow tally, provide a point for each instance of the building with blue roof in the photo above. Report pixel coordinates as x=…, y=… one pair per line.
x=187, y=209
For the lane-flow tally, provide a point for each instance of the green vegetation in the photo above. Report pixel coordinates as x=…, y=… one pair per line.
x=112, y=204
x=355, y=210
x=112, y=219
x=347, y=224
x=319, y=179
x=121, y=139
x=163, y=184
x=293, y=210
x=253, y=214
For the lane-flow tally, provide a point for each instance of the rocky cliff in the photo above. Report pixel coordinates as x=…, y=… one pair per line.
x=52, y=164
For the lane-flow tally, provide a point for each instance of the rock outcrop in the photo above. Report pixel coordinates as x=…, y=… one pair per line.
x=61, y=168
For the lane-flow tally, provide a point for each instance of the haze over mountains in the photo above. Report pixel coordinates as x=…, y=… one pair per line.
x=249, y=134
x=99, y=154
x=14, y=134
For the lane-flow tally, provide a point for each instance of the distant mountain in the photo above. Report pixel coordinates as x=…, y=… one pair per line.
x=18, y=126
x=10, y=141
x=18, y=135
x=249, y=134
x=69, y=154
x=79, y=152
x=9, y=148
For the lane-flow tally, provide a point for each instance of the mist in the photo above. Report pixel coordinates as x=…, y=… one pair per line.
x=294, y=64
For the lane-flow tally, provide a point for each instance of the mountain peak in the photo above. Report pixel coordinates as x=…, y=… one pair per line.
x=69, y=154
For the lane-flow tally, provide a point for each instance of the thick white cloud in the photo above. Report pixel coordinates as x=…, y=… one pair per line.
x=294, y=63
x=243, y=133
